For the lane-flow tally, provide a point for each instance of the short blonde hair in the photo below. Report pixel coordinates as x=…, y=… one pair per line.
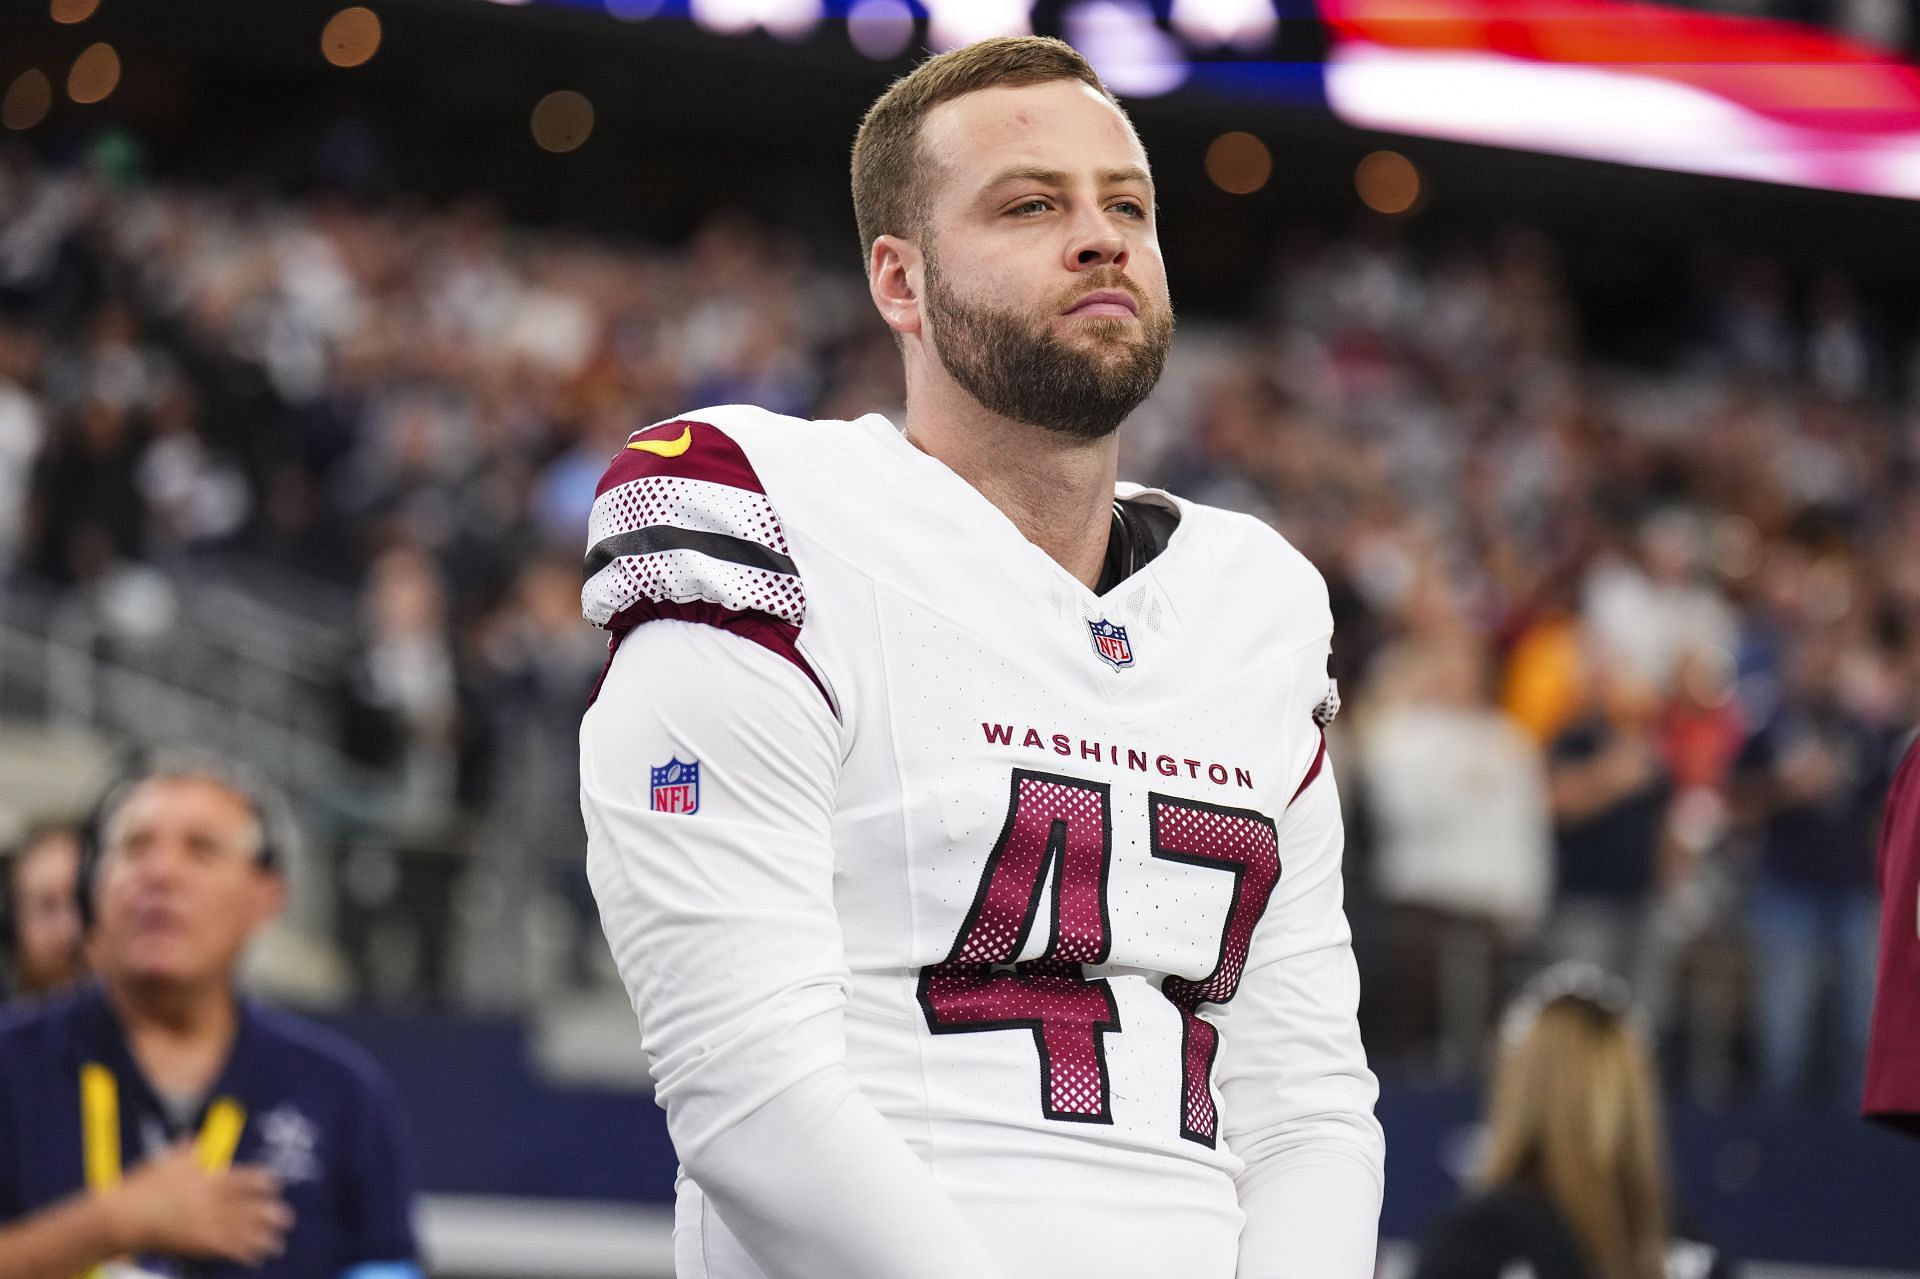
x=890, y=171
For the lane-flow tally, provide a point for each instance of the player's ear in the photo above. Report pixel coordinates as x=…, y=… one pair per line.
x=893, y=274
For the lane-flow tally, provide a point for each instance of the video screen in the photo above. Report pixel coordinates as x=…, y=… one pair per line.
x=1653, y=85
x=1834, y=105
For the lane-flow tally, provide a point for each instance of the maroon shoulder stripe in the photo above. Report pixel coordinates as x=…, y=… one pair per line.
x=685, y=450
x=777, y=637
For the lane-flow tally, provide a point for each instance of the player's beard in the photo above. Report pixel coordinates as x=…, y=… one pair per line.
x=1014, y=366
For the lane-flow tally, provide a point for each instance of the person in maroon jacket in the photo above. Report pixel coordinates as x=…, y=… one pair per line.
x=1893, y=1050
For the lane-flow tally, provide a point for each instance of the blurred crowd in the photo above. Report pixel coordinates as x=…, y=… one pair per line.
x=1629, y=653
x=1632, y=652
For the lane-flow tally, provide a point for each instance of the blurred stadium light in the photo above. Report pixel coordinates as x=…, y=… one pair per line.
x=351, y=37
x=1133, y=55
x=562, y=121
x=788, y=19
x=95, y=74
x=1239, y=163
x=956, y=22
x=72, y=11
x=28, y=100
x=1387, y=182
x=1247, y=25
x=881, y=29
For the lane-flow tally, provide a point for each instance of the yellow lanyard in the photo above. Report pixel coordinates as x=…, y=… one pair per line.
x=213, y=1148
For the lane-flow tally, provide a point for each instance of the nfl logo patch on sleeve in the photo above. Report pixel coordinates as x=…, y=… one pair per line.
x=1110, y=642
x=676, y=787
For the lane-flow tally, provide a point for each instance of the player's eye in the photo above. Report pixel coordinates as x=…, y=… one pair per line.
x=1130, y=208
x=1027, y=207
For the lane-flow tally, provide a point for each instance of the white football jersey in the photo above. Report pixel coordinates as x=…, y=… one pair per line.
x=876, y=791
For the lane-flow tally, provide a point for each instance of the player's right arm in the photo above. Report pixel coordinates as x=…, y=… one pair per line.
x=722, y=919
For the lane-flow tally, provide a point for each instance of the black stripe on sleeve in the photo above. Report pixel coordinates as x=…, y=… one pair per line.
x=667, y=537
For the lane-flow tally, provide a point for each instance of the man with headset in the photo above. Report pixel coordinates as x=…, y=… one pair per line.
x=156, y=1122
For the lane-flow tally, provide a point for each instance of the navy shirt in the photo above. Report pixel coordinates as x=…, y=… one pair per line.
x=319, y=1113
x=1825, y=845
x=1610, y=853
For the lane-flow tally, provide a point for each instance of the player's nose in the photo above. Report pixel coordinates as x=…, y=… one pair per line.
x=1095, y=242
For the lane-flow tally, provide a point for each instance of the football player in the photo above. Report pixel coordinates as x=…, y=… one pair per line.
x=959, y=817
x=1893, y=1050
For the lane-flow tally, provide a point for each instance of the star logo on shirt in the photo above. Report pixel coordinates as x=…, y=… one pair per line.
x=289, y=1143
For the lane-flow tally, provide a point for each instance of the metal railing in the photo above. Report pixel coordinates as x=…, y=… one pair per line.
x=213, y=664
x=239, y=662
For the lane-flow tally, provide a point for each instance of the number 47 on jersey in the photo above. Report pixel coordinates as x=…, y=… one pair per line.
x=1064, y=825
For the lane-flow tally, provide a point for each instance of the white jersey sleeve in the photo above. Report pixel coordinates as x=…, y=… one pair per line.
x=1297, y=1094
x=1294, y=1075
x=721, y=916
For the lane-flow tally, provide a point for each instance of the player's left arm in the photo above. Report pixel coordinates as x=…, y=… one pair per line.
x=1297, y=1097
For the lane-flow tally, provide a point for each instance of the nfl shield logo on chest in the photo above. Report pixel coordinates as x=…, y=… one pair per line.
x=676, y=787
x=1110, y=642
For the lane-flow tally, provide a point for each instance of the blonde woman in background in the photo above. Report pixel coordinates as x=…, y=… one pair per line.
x=1575, y=1184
